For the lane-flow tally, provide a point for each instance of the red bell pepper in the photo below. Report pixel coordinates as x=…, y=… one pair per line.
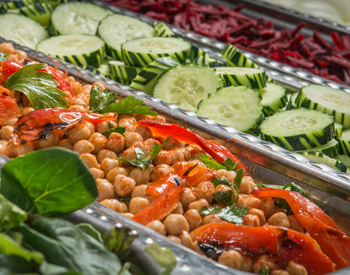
x=9, y=68
x=199, y=174
x=8, y=106
x=332, y=240
x=164, y=130
x=280, y=243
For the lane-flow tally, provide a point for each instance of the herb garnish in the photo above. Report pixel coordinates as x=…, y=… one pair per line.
x=264, y=271
x=111, y=129
x=38, y=86
x=99, y=100
x=144, y=158
x=224, y=197
x=3, y=56
x=230, y=213
x=228, y=164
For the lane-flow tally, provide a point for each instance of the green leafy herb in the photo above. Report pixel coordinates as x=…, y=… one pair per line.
x=230, y=213
x=90, y=230
x=128, y=105
x=230, y=165
x=52, y=181
x=238, y=179
x=211, y=163
x=10, y=214
x=111, y=129
x=99, y=100
x=163, y=256
x=39, y=87
x=264, y=271
x=11, y=264
x=144, y=158
x=224, y=197
x=222, y=181
x=3, y=56
x=126, y=200
x=293, y=187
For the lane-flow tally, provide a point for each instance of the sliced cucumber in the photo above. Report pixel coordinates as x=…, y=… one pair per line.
x=77, y=18
x=298, y=129
x=274, y=98
x=148, y=76
x=140, y=52
x=344, y=159
x=16, y=4
x=124, y=74
x=344, y=141
x=207, y=60
x=195, y=52
x=40, y=12
x=162, y=30
x=186, y=85
x=330, y=149
x=322, y=158
x=238, y=76
x=79, y=49
x=117, y=29
x=237, y=107
x=100, y=71
x=328, y=100
x=22, y=30
x=291, y=102
x=338, y=129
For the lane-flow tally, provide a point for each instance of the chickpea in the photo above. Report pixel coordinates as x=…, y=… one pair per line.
x=128, y=215
x=175, y=224
x=157, y=226
x=106, y=153
x=81, y=99
x=128, y=124
x=131, y=138
x=178, y=209
x=163, y=157
x=211, y=219
x=115, y=172
x=186, y=239
x=251, y=220
x=177, y=156
x=173, y=142
x=123, y=185
x=160, y=171
x=246, y=263
x=11, y=122
x=83, y=147
x=268, y=206
x=78, y=132
x=141, y=145
x=204, y=190
x=279, y=219
x=26, y=110
x=279, y=209
x=137, y=204
x=186, y=152
x=90, y=126
x=23, y=149
x=279, y=272
x=105, y=190
x=296, y=269
x=222, y=187
x=193, y=218
x=253, y=202
x=262, y=262
x=123, y=207
x=101, y=127
x=90, y=160
x=97, y=173
x=129, y=154
x=140, y=176
x=186, y=197
x=198, y=205
x=65, y=143
x=295, y=224
x=174, y=239
x=85, y=89
x=139, y=191
x=245, y=187
x=195, y=247
x=108, y=164
x=259, y=213
x=231, y=258
x=79, y=108
x=115, y=142
x=7, y=132
x=111, y=204
x=98, y=141
x=11, y=149
x=151, y=142
x=3, y=150
x=144, y=131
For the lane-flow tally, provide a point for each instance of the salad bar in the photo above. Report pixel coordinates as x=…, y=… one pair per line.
x=153, y=162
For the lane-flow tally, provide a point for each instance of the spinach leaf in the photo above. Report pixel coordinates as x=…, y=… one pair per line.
x=128, y=105
x=10, y=214
x=144, y=158
x=264, y=271
x=51, y=182
x=38, y=86
x=3, y=56
x=230, y=213
x=211, y=163
x=111, y=129
x=293, y=187
x=65, y=245
x=238, y=179
x=99, y=100
x=163, y=256
x=90, y=230
x=224, y=197
x=224, y=181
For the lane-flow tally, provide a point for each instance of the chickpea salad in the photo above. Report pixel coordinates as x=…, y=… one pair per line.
x=191, y=190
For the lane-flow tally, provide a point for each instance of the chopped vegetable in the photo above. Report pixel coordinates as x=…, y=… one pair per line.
x=111, y=129
x=231, y=213
x=99, y=100
x=128, y=105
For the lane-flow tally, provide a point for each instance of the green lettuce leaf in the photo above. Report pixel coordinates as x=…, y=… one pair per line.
x=230, y=213
x=10, y=214
x=128, y=105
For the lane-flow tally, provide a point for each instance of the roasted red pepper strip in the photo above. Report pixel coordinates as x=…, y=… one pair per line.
x=280, y=243
x=199, y=174
x=162, y=206
x=63, y=84
x=9, y=68
x=332, y=240
x=164, y=130
x=40, y=123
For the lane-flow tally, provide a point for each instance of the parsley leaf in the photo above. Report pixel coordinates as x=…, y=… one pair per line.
x=238, y=179
x=230, y=213
x=144, y=158
x=99, y=100
x=211, y=163
x=3, y=56
x=264, y=271
x=224, y=181
x=128, y=105
x=230, y=165
x=224, y=197
x=110, y=130
x=39, y=87
x=293, y=187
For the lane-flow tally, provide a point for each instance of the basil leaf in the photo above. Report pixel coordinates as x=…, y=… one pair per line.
x=224, y=197
x=90, y=230
x=211, y=163
x=230, y=213
x=3, y=56
x=163, y=256
x=10, y=214
x=293, y=187
x=51, y=182
x=224, y=181
x=238, y=179
x=264, y=271
x=128, y=105
x=230, y=165
x=110, y=130
x=65, y=245
x=99, y=100
x=39, y=87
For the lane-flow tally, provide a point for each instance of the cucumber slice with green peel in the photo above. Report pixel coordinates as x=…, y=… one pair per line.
x=238, y=76
x=195, y=52
x=291, y=102
x=163, y=30
x=116, y=29
x=207, y=60
x=123, y=73
x=237, y=107
x=274, y=98
x=77, y=18
x=344, y=141
x=322, y=158
x=149, y=75
x=344, y=159
x=40, y=12
x=78, y=49
x=140, y=52
x=100, y=71
x=186, y=85
x=328, y=100
x=338, y=129
x=22, y=30
x=298, y=129
x=17, y=4
x=330, y=149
